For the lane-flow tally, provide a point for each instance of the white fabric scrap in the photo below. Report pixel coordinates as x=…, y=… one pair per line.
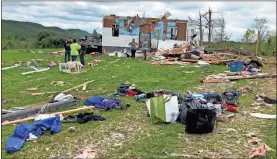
x=263, y=116
x=202, y=63
x=32, y=137
x=46, y=116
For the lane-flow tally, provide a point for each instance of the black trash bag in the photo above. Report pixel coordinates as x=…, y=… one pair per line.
x=200, y=121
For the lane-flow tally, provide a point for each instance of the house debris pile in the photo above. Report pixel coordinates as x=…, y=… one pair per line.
x=222, y=77
x=186, y=53
x=72, y=67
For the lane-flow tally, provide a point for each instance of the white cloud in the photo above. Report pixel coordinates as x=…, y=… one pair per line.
x=88, y=15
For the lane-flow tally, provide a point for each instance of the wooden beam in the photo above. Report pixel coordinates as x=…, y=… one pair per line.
x=58, y=113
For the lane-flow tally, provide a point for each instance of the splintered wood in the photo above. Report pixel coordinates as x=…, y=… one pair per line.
x=183, y=48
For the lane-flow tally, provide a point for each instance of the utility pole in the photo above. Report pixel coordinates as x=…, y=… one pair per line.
x=200, y=27
x=210, y=24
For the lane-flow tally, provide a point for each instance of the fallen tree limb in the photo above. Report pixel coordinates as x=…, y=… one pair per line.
x=58, y=113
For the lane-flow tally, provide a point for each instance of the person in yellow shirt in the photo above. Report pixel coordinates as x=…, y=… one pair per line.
x=74, y=50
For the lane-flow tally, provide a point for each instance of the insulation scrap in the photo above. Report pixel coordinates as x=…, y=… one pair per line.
x=94, y=62
x=57, y=53
x=258, y=148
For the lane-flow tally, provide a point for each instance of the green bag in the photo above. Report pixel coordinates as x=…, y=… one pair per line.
x=157, y=108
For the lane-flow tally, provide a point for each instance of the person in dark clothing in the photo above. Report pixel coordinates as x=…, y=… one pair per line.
x=83, y=51
x=67, y=50
x=133, y=45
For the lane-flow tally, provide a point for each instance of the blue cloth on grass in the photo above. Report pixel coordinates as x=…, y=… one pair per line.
x=21, y=132
x=102, y=102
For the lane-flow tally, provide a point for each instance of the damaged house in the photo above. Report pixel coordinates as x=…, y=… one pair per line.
x=161, y=33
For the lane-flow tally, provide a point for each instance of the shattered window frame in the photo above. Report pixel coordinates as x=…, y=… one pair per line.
x=172, y=37
x=115, y=26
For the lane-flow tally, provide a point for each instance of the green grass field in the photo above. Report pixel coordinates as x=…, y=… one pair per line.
x=139, y=137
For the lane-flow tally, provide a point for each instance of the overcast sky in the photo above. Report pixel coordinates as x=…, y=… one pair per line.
x=88, y=15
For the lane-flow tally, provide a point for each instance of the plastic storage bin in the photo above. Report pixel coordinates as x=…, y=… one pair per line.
x=236, y=66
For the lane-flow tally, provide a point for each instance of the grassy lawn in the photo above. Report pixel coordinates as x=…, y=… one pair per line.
x=138, y=136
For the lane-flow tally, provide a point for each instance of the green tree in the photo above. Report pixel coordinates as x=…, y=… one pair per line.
x=96, y=35
x=44, y=34
x=249, y=36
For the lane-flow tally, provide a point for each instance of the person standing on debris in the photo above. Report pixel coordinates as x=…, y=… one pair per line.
x=133, y=45
x=67, y=44
x=145, y=48
x=75, y=48
x=83, y=51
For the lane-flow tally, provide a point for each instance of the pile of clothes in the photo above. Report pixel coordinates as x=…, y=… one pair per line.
x=128, y=90
x=199, y=111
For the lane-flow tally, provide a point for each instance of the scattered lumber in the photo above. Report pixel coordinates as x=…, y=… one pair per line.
x=225, y=78
x=81, y=85
x=34, y=110
x=37, y=94
x=58, y=113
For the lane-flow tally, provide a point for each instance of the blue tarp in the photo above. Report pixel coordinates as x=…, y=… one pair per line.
x=102, y=102
x=21, y=132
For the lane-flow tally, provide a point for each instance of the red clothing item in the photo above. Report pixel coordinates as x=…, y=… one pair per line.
x=131, y=93
x=229, y=107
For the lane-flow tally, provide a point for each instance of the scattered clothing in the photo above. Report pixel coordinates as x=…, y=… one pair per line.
x=84, y=118
x=229, y=107
x=268, y=100
x=21, y=133
x=123, y=89
x=231, y=98
x=105, y=103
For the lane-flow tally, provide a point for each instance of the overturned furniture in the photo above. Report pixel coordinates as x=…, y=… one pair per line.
x=71, y=67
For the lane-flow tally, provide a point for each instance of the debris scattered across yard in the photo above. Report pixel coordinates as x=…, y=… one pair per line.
x=71, y=67
x=187, y=53
x=57, y=53
x=94, y=62
x=258, y=148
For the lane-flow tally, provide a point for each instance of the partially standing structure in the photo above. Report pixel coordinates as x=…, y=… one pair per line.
x=161, y=33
